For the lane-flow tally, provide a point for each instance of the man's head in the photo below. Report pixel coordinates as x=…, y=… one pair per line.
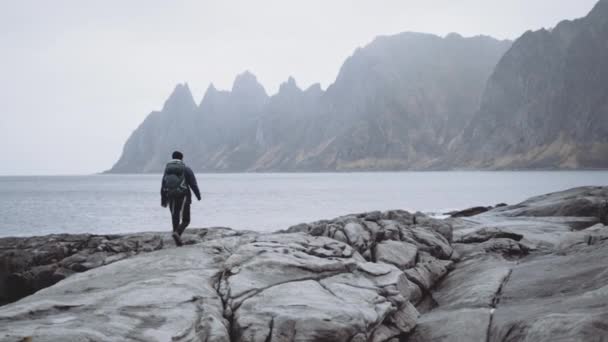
x=177, y=155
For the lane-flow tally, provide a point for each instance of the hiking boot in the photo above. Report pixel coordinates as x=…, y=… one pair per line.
x=177, y=239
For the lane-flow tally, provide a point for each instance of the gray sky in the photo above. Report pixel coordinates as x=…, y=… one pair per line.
x=77, y=77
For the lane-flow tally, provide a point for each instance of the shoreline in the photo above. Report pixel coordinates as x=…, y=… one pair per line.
x=104, y=173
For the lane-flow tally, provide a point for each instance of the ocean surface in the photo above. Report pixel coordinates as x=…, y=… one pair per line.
x=37, y=205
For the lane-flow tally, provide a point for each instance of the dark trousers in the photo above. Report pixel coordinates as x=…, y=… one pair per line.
x=180, y=213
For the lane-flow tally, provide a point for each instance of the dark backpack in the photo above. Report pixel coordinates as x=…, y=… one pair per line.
x=174, y=181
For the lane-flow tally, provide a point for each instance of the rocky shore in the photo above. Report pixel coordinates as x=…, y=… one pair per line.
x=534, y=271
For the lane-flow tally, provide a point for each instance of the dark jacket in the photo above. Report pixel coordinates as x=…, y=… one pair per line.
x=190, y=181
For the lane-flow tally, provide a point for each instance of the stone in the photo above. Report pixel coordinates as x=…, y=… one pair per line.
x=463, y=325
x=428, y=240
x=427, y=273
x=576, y=202
x=473, y=283
x=398, y=253
x=33, y=263
x=286, y=289
x=556, y=297
x=396, y=276
x=158, y=296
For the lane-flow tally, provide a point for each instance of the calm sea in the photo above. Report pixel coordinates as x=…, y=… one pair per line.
x=262, y=202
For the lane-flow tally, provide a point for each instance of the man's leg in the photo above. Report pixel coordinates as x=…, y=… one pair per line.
x=185, y=217
x=176, y=205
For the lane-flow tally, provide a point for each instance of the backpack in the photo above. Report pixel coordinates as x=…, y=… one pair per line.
x=174, y=181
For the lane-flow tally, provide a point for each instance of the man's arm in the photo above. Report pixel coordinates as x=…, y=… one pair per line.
x=191, y=179
x=163, y=195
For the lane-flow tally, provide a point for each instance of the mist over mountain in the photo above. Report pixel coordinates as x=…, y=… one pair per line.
x=410, y=101
x=546, y=104
x=396, y=104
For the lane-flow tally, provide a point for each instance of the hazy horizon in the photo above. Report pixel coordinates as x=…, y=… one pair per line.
x=80, y=77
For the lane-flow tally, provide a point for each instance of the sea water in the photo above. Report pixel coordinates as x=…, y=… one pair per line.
x=101, y=204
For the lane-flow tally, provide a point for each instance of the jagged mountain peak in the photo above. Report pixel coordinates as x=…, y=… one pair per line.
x=314, y=88
x=246, y=81
x=212, y=96
x=289, y=86
x=395, y=104
x=180, y=99
x=246, y=90
x=598, y=16
x=545, y=104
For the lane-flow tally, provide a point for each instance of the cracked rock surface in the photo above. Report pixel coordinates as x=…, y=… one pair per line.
x=526, y=278
x=32, y=263
x=379, y=276
x=338, y=283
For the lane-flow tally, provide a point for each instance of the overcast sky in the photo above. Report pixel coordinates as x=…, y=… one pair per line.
x=77, y=77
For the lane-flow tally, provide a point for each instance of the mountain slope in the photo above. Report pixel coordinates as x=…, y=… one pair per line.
x=546, y=104
x=396, y=104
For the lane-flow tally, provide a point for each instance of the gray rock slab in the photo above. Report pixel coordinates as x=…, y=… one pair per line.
x=398, y=253
x=577, y=202
x=463, y=325
x=556, y=298
x=159, y=296
x=313, y=288
x=473, y=283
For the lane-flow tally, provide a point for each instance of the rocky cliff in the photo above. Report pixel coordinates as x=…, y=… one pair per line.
x=534, y=271
x=409, y=101
x=395, y=104
x=546, y=104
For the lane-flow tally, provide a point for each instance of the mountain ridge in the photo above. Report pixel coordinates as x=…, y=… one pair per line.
x=352, y=125
x=410, y=101
x=545, y=105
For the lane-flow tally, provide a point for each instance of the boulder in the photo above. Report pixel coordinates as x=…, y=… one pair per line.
x=398, y=253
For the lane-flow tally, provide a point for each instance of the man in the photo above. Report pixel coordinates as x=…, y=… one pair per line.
x=177, y=182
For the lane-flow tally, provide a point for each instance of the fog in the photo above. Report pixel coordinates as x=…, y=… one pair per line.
x=78, y=77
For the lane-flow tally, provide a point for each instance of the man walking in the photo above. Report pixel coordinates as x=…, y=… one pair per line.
x=177, y=182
